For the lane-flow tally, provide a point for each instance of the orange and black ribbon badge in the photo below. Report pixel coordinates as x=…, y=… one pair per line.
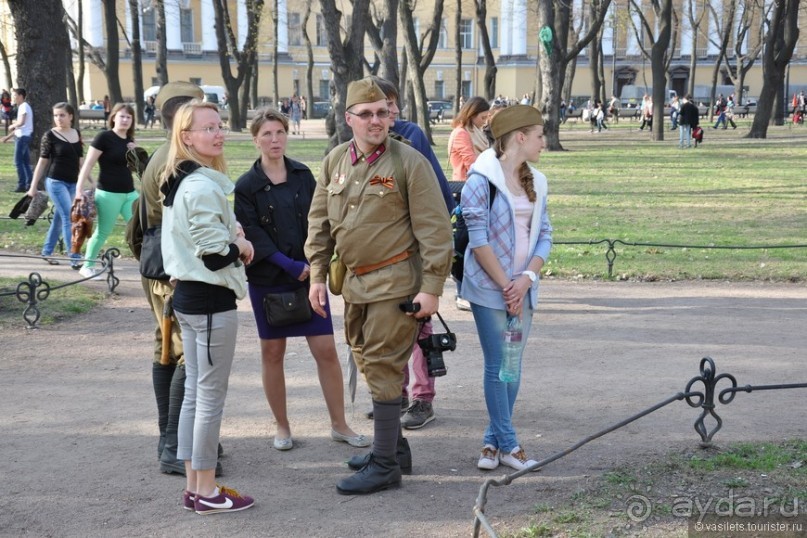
x=388, y=182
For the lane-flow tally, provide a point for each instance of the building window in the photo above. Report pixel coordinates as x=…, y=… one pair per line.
x=196, y=80
x=322, y=33
x=149, y=25
x=155, y=81
x=443, y=44
x=439, y=89
x=295, y=30
x=466, y=89
x=186, y=25
x=466, y=34
x=494, y=32
x=324, y=90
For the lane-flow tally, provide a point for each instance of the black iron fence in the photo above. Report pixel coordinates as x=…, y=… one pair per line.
x=704, y=399
x=611, y=255
x=35, y=289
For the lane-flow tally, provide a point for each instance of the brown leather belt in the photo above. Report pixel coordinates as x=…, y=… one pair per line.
x=364, y=269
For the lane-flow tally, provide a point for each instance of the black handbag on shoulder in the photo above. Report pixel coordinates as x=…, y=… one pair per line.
x=287, y=307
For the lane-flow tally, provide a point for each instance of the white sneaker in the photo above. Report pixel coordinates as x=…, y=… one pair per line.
x=489, y=459
x=89, y=272
x=517, y=459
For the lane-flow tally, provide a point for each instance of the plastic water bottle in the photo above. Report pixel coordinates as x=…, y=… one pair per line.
x=510, y=370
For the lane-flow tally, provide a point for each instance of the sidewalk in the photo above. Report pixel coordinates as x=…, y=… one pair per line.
x=78, y=419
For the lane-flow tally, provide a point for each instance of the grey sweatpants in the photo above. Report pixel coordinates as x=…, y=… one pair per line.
x=205, y=384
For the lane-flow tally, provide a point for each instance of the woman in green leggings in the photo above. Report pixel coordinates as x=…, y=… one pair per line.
x=115, y=191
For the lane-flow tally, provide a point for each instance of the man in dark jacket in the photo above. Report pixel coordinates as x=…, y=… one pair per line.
x=688, y=118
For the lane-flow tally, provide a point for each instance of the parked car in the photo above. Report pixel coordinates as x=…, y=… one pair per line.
x=320, y=110
x=440, y=110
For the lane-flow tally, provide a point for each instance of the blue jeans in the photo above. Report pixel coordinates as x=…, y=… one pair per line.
x=22, y=160
x=684, y=136
x=500, y=397
x=61, y=194
x=206, y=384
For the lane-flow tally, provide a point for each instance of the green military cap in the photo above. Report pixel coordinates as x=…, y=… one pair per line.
x=363, y=91
x=179, y=88
x=515, y=117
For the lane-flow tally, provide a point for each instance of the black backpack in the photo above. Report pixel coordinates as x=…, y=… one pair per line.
x=461, y=236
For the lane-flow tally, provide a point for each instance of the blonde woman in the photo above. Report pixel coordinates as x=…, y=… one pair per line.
x=467, y=140
x=204, y=252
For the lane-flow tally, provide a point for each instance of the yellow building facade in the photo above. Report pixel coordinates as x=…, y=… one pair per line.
x=193, y=53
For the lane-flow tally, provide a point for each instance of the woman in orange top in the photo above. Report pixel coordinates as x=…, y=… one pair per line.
x=467, y=140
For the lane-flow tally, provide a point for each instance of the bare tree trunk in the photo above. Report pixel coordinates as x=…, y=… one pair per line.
x=81, y=65
x=309, y=66
x=458, y=55
x=490, y=61
x=275, y=84
x=659, y=54
x=38, y=67
x=6, y=66
x=72, y=96
x=161, y=63
x=112, y=51
x=137, y=61
x=557, y=17
x=383, y=34
x=346, y=65
x=780, y=41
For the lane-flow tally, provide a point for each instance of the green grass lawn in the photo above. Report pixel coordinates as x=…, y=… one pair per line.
x=616, y=185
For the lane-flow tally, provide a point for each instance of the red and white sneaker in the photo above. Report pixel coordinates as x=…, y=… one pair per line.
x=227, y=500
x=188, y=500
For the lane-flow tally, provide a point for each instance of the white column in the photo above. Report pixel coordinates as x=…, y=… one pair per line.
x=93, y=26
x=173, y=34
x=711, y=47
x=506, y=16
x=633, y=40
x=686, y=30
x=243, y=27
x=519, y=28
x=208, y=18
x=282, y=27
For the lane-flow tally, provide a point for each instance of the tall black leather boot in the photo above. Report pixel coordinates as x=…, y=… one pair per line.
x=382, y=470
x=161, y=379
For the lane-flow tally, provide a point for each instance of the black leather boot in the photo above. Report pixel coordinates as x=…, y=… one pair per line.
x=379, y=474
x=403, y=455
x=161, y=379
x=169, y=463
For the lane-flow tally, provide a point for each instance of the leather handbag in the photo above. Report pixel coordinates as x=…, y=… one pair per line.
x=151, y=254
x=287, y=308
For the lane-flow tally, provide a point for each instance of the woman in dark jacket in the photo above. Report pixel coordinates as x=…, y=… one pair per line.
x=688, y=118
x=271, y=202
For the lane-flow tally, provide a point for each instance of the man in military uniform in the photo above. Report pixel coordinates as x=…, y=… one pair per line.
x=374, y=206
x=168, y=379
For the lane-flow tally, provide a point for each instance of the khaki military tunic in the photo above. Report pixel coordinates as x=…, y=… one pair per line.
x=369, y=215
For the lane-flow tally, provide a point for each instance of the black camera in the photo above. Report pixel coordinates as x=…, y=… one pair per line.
x=433, y=347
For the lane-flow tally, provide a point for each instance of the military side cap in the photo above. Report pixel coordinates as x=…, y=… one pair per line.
x=178, y=89
x=363, y=91
x=514, y=117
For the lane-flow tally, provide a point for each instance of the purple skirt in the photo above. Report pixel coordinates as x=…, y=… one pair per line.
x=317, y=326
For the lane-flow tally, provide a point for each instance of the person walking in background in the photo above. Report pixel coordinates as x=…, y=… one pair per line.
x=107, y=106
x=408, y=264
x=647, y=113
x=688, y=119
x=115, y=191
x=613, y=108
x=22, y=129
x=467, y=139
x=272, y=201
x=204, y=251
x=675, y=110
x=296, y=112
x=149, y=109
x=60, y=156
x=510, y=238
x=720, y=112
x=304, y=106
x=599, y=116
x=730, y=112
x=5, y=108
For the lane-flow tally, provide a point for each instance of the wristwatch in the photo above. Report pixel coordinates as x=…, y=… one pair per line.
x=531, y=275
